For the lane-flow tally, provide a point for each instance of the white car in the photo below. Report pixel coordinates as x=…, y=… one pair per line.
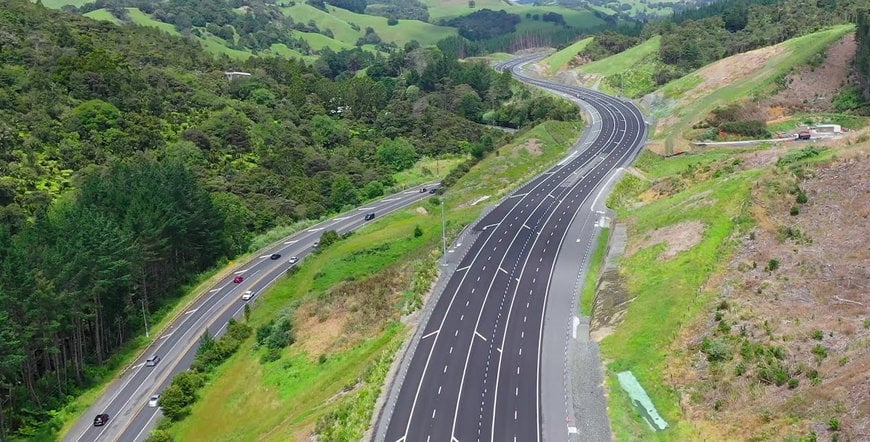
x=293, y=260
x=247, y=295
x=153, y=401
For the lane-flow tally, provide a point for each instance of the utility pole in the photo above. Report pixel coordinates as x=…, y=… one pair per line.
x=144, y=318
x=443, y=236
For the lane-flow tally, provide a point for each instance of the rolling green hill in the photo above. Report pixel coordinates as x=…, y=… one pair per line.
x=341, y=22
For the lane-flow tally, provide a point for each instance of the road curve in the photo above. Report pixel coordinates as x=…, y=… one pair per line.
x=478, y=372
x=125, y=400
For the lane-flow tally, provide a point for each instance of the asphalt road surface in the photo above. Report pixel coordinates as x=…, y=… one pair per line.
x=476, y=373
x=126, y=399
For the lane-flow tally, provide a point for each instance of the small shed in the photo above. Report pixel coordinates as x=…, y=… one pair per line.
x=828, y=128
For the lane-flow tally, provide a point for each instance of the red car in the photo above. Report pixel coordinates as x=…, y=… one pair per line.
x=238, y=279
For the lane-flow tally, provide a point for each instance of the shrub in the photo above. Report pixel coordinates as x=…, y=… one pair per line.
x=159, y=435
x=772, y=372
x=834, y=424
x=820, y=351
x=749, y=128
x=794, y=211
x=772, y=265
x=801, y=197
x=716, y=350
x=818, y=335
x=798, y=155
x=792, y=233
x=418, y=232
x=329, y=237
x=793, y=383
x=174, y=403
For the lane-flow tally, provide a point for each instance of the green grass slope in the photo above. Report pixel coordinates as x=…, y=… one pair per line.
x=628, y=59
x=579, y=18
x=102, y=15
x=341, y=21
x=641, y=343
x=210, y=43
x=57, y=4
x=142, y=19
x=561, y=58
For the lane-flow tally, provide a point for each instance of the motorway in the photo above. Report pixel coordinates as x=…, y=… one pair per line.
x=125, y=400
x=478, y=371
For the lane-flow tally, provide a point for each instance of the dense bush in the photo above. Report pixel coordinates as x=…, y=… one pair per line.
x=752, y=128
x=484, y=24
x=716, y=350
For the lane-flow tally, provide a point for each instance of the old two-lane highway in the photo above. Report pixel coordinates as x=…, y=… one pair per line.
x=478, y=370
x=126, y=399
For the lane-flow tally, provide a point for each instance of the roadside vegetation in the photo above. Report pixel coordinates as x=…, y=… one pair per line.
x=735, y=328
x=346, y=305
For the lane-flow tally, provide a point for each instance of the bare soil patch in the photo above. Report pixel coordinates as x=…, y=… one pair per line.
x=791, y=317
x=811, y=88
x=730, y=70
x=349, y=312
x=677, y=237
x=315, y=334
x=532, y=146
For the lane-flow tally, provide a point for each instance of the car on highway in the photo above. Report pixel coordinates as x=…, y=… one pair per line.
x=154, y=400
x=238, y=279
x=370, y=216
x=433, y=190
x=101, y=419
x=316, y=243
x=275, y=256
x=152, y=361
x=247, y=295
x=422, y=190
x=293, y=260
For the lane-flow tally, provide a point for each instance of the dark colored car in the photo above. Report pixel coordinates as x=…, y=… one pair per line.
x=238, y=279
x=422, y=190
x=370, y=216
x=433, y=190
x=101, y=420
x=275, y=256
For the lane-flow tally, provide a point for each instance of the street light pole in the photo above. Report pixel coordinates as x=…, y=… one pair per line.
x=443, y=236
x=144, y=318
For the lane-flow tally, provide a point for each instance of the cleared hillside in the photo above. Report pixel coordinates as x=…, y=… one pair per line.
x=759, y=251
x=755, y=74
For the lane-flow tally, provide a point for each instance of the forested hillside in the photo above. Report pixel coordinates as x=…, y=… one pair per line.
x=130, y=163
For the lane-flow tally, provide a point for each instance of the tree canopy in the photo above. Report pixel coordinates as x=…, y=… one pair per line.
x=130, y=163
